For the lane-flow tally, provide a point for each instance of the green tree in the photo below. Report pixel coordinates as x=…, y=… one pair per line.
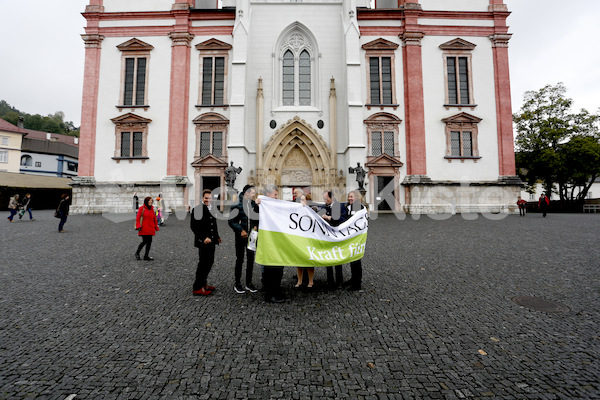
x=556, y=146
x=54, y=123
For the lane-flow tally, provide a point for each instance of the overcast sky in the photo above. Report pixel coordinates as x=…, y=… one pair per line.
x=42, y=54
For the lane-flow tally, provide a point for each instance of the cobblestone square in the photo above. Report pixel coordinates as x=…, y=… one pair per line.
x=435, y=320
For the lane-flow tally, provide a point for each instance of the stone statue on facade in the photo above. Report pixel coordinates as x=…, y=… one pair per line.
x=360, y=175
x=231, y=173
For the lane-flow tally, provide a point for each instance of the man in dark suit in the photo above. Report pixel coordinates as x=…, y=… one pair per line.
x=335, y=214
x=206, y=237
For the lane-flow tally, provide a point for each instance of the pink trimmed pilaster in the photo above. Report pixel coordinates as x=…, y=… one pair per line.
x=89, y=104
x=506, y=150
x=414, y=104
x=178, y=103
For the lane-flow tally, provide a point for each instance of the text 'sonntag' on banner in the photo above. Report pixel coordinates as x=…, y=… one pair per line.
x=291, y=234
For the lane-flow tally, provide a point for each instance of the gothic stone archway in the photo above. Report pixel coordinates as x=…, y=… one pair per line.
x=296, y=155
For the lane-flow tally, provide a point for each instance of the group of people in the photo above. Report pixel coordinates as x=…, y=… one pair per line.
x=543, y=205
x=245, y=225
x=20, y=207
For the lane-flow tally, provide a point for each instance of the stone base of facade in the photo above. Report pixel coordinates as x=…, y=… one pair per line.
x=92, y=197
x=424, y=196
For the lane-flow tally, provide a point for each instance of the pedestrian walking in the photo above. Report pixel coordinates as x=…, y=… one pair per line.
x=522, y=204
x=206, y=238
x=242, y=224
x=63, y=211
x=354, y=205
x=544, y=204
x=273, y=274
x=160, y=210
x=335, y=214
x=146, y=225
x=13, y=207
x=26, y=206
x=136, y=202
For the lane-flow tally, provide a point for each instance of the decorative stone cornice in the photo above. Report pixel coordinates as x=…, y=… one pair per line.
x=498, y=8
x=213, y=44
x=181, y=38
x=380, y=44
x=412, y=38
x=413, y=6
x=500, y=39
x=92, y=41
x=94, y=9
x=180, y=7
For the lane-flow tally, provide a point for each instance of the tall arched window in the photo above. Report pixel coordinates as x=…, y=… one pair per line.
x=26, y=161
x=288, y=82
x=296, y=66
x=304, y=79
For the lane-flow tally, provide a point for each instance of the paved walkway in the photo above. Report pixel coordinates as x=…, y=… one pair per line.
x=436, y=320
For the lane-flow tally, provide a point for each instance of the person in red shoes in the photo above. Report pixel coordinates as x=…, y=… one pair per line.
x=146, y=225
x=206, y=237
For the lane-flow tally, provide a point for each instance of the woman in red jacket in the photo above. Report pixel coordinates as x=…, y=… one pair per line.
x=146, y=224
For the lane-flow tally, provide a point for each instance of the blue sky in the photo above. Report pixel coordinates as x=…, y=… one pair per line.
x=42, y=53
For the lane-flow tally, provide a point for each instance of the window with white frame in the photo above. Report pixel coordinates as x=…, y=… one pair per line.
x=5, y=140
x=458, y=76
x=3, y=156
x=135, y=56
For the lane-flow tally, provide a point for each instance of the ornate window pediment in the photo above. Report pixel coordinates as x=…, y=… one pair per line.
x=213, y=44
x=457, y=44
x=131, y=137
x=380, y=44
x=135, y=45
x=462, y=137
x=211, y=136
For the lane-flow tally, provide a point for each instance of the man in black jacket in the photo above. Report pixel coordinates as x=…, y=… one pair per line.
x=206, y=237
x=335, y=214
x=244, y=218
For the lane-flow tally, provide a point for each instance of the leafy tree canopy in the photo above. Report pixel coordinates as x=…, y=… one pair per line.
x=555, y=145
x=53, y=123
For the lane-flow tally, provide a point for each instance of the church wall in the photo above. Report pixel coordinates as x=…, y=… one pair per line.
x=324, y=22
x=153, y=169
x=438, y=168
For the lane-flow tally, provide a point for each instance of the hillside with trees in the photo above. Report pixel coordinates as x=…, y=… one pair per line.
x=53, y=123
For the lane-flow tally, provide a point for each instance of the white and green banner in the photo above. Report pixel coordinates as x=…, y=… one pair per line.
x=294, y=235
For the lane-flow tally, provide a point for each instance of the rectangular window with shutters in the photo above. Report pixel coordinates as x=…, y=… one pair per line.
x=213, y=81
x=457, y=69
x=125, y=144
x=376, y=149
x=211, y=143
x=205, y=138
x=380, y=81
x=461, y=144
x=134, y=91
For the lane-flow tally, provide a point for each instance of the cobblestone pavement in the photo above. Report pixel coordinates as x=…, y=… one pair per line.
x=436, y=320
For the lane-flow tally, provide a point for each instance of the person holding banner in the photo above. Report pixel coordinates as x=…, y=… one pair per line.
x=335, y=214
x=242, y=224
x=305, y=199
x=206, y=237
x=273, y=274
x=354, y=205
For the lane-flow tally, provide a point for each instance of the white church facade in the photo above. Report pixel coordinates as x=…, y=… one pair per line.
x=296, y=93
